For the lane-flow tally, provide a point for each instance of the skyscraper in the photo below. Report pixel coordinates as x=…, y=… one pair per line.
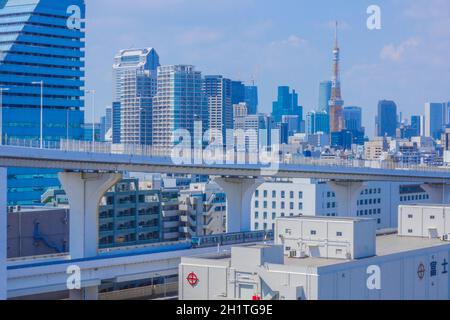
x=287, y=105
x=251, y=98
x=116, y=122
x=42, y=41
x=324, y=96
x=237, y=92
x=435, y=119
x=179, y=102
x=353, y=118
x=218, y=90
x=386, y=122
x=336, y=103
x=416, y=126
x=135, y=72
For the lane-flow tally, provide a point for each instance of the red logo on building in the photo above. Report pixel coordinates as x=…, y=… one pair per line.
x=192, y=279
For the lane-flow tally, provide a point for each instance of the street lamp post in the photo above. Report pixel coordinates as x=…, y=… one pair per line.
x=41, y=83
x=1, y=113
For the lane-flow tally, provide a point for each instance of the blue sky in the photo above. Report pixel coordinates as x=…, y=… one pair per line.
x=284, y=42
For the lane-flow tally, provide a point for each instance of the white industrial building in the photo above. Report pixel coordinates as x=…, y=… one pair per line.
x=317, y=258
x=309, y=197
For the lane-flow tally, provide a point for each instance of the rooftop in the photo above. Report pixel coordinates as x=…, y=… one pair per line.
x=386, y=245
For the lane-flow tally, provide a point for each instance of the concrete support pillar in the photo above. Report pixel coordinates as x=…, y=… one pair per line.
x=3, y=234
x=89, y=293
x=439, y=193
x=347, y=194
x=239, y=192
x=84, y=191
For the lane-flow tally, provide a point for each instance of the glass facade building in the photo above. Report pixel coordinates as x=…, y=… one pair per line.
x=324, y=96
x=353, y=118
x=251, y=98
x=386, y=123
x=287, y=104
x=40, y=40
x=435, y=120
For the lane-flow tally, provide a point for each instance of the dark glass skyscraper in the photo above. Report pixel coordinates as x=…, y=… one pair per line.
x=387, y=119
x=416, y=125
x=41, y=40
x=353, y=118
x=251, y=98
x=286, y=104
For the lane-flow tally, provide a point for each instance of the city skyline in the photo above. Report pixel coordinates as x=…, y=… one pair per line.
x=376, y=65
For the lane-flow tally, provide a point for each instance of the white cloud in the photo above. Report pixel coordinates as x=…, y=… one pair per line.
x=199, y=35
x=396, y=53
x=291, y=41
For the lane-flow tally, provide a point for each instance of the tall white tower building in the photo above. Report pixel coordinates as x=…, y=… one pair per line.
x=135, y=74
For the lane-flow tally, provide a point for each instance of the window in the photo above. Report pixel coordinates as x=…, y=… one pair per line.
x=379, y=221
x=300, y=195
x=265, y=204
x=282, y=205
x=274, y=194
x=274, y=205
x=313, y=232
x=338, y=234
x=256, y=214
x=300, y=206
x=410, y=231
x=288, y=231
x=265, y=226
x=338, y=251
x=410, y=216
x=256, y=226
x=283, y=194
x=265, y=215
x=257, y=193
x=265, y=193
x=291, y=206
x=432, y=217
x=274, y=215
x=291, y=194
x=256, y=204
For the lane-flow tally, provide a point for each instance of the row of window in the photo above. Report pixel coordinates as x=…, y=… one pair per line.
x=368, y=201
x=282, y=193
x=371, y=191
x=414, y=197
x=282, y=205
x=274, y=215
x=368, y=212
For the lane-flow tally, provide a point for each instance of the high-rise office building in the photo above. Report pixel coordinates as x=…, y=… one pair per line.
x=179, y=103
x=237, y=92
x=116, y=122
x=135, y=72
x=218, y=92
x=106, y=123
x=251, y=98
x=386, y=122
x=353, y=118
x=416, y=126
x=287, y=105
x=317, y=122
x=336, y=103
x=435, y=119
x=41, y=48
x=325, y=96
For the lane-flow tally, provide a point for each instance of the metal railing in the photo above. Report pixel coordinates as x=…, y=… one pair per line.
x=205, y=157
